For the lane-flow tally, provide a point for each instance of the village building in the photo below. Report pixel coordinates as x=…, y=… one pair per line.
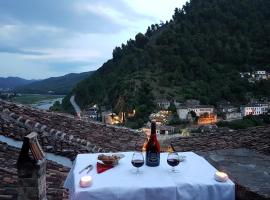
x=91, y=113
x=229, y=112
x=192, y=102
x=245, y=74
x=163, y=103
x=207, y=119
x=199, y=110
x=161, y=117
x=255, y=75
x=108, y=117
x=254, y=109
x=260, y=75
x=230, y=116
x=160, y=129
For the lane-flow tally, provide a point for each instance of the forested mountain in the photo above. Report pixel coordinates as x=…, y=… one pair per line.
x=198, y=54
x=57, y=85
x=12, y=82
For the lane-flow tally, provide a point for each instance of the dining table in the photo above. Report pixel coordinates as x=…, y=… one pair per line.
x=193, y=180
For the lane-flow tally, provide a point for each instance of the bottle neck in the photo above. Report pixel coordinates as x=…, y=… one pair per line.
x=153, y=128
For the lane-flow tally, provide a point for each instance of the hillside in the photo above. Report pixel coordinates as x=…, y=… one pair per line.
x=58, y=85
x=198, y=54
x=12, y=82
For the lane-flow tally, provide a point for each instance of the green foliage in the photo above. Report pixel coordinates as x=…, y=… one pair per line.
x=175, y=120
x=246, y=122
x=144, y=104
x=56, y=107
x=198, y=54
x=172, y=108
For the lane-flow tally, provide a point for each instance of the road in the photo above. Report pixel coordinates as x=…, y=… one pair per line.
x=75, y=105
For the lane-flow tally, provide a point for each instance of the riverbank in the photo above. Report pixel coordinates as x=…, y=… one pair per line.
x=40, y=101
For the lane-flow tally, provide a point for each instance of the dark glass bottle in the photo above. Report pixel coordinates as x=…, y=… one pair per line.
x=152, y=148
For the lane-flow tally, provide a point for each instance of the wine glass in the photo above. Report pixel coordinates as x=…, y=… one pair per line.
x=173, y=160
x=137, y=160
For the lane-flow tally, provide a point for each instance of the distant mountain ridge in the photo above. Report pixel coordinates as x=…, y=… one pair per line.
x=13, y=82
x=55, y=85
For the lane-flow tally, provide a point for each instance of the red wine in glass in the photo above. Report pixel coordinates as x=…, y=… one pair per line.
x=137, y=160
x=137, y=163
x=173, y=162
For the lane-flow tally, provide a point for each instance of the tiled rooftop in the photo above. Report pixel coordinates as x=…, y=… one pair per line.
x=55, y=176
x=89, y=136
x=257, y=138
x=66, y=135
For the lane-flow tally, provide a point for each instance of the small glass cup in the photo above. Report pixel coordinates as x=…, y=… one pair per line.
x=137, y=160
x=173, y=160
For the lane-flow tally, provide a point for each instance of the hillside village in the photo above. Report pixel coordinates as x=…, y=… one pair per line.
x=173, y=117
x=254, y=76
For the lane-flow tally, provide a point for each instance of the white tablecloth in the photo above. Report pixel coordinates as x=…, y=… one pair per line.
x=195, y=181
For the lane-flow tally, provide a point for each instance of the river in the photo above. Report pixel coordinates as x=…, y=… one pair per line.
x=49, y=156
x=46, y=104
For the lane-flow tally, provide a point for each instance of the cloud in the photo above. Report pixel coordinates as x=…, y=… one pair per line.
x=13, y=65
x=54, y=37
x=158, y=10
x=9, y=49
x=61, y=13
x=63, y=54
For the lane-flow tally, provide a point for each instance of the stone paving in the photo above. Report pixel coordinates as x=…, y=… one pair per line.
x=248, y=169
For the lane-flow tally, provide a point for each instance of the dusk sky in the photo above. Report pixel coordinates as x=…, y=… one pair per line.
x=44, y=38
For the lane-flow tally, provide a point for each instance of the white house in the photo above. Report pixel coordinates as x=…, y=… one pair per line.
x=254, y=109
x=264, y=107
x=229, y=116
x=260, y=72
x=228, y=109
x=199, y=110
x=160, y=129
x=182, y=112
x=163, y=103
x=261, y=75
x=244, y=74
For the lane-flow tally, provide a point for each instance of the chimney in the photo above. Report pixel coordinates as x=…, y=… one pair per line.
x=31, y=170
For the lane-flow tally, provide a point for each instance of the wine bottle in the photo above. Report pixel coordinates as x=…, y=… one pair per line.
x=152, y=148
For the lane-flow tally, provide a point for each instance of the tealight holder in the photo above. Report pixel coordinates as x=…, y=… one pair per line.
x=221, y=176
x=86, y=181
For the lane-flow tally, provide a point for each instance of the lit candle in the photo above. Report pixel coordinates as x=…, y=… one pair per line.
x=85, y=181
x=221, y=176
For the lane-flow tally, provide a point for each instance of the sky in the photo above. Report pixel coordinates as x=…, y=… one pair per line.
x=48, y=38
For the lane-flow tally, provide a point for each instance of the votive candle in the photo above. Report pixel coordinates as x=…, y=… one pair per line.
x=85, y=181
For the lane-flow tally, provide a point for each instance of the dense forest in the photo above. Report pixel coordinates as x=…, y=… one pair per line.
x=198, y=54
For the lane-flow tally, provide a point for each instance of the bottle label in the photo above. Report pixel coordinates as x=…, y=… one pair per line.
x=152, y=159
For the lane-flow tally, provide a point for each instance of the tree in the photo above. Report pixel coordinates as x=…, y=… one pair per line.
x=141, y=40
x=145, y=102
x=117, y=53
